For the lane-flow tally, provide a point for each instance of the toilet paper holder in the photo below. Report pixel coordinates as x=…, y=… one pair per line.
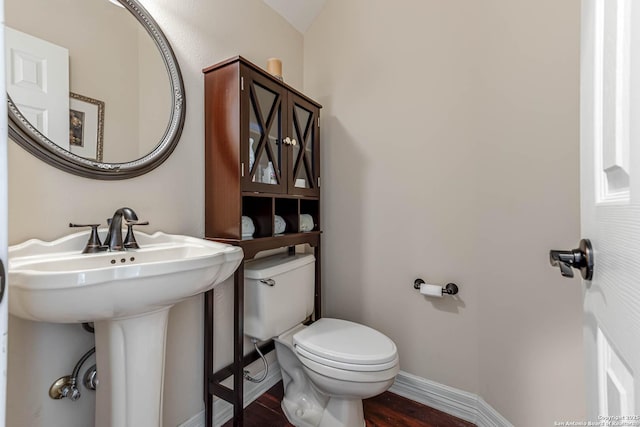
x=450, y=288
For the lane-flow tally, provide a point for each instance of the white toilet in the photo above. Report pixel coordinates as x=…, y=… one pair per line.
x=327, y=367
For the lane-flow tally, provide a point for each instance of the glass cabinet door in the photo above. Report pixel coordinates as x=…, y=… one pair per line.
x=263, y=155
x=304, y=162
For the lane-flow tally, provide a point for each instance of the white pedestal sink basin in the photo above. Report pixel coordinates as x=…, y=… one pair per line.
x=128, y=296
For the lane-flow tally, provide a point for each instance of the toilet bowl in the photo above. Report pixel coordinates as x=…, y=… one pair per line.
x=327, y=367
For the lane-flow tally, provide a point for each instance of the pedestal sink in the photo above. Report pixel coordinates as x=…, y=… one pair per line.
x=128, y=296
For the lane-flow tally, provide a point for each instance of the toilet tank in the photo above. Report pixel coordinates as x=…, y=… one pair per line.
x=278, y=294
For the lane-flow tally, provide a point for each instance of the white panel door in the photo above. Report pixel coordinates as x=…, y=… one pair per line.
x=610, y=204
x=38, y=81
x=4, y=301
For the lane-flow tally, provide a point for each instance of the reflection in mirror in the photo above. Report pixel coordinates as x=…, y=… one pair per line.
x=94, y=82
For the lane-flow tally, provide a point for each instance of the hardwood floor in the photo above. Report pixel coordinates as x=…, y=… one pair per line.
x=385, y=410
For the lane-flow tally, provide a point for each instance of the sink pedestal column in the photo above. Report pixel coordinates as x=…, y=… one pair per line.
x=130, y=361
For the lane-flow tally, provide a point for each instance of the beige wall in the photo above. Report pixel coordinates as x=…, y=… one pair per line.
x=531, y=360
x=397, y=180
x=450, y=152
x=42, y=201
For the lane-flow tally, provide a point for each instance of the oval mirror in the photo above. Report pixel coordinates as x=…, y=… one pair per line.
x=97, y=91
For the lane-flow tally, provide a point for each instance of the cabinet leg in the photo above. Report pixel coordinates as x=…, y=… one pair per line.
x=238, y=346
x=318, y=289
x=208, y=358
x=208, y=410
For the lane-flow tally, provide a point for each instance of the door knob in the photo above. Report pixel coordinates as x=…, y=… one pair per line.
x=580, y=259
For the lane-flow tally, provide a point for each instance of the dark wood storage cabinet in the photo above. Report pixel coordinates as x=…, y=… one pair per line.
x=262, y=159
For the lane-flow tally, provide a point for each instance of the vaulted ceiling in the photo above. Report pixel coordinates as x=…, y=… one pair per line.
x=299, y=13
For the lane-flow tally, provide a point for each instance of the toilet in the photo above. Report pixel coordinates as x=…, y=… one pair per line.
x=327, y=367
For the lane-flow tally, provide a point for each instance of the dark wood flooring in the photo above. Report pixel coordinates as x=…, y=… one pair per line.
x=385, y=410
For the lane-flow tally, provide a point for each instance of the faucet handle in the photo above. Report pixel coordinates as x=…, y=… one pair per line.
x=135, y=222
x=130, y=239
x=72, y=225
x=93, y=245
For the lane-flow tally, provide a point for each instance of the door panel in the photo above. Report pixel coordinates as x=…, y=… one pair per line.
x=304, y=162
x=610, y=203
x=38, y=80
x=612, y=50
x=265, y=158
x=616, y=393
x=263, y=155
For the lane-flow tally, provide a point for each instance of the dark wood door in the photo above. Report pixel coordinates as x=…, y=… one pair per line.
x=263, y=117
x=304, y=150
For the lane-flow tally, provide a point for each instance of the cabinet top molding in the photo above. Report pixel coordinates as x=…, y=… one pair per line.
x=260, y=70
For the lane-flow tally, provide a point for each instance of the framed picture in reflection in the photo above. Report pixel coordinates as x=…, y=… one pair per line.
x=86, y=126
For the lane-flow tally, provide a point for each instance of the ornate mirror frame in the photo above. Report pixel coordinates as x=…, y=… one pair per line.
x=29, y=138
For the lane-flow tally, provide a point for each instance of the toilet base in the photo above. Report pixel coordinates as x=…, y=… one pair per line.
x=343, y=413
x=299, y=417
x=337, y=413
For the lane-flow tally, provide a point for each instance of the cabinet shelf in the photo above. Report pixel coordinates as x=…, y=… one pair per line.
x=252, y=246
x=280, y=196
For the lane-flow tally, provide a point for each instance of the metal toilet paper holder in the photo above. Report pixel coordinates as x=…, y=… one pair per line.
x=450, y=288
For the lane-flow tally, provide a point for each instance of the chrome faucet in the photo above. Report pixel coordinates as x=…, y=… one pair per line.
x=113, y=241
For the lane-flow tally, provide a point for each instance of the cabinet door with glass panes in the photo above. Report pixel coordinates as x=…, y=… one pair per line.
x=263, y=118
x=302, y=137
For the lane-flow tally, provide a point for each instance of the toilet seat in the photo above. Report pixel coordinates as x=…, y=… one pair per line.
x=346, y=345
x=348, y=374
x=358, y=367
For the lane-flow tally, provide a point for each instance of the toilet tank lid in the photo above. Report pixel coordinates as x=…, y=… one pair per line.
x=274, y=265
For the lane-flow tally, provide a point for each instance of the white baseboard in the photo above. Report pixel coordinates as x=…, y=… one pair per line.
x=223, y=411
x=196, y=421
x=467, y=406
x=464, y=405
x=489, y=417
